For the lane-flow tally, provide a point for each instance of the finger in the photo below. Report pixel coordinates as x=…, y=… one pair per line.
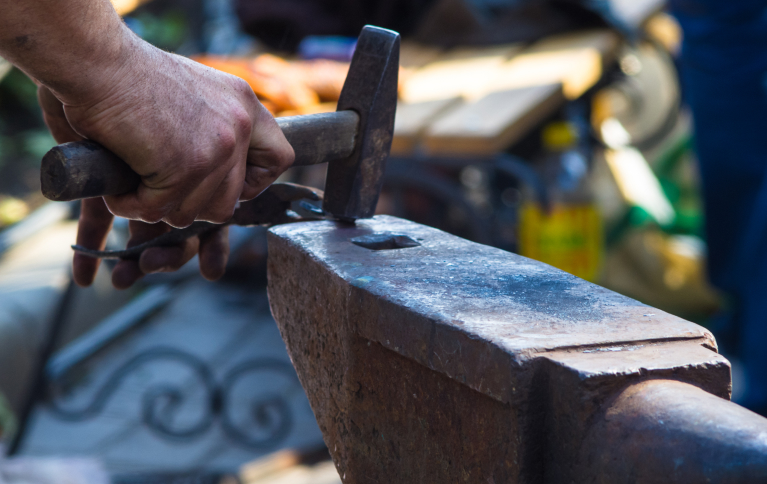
x=92, y=230
x=226, y=197
x=214, y=253
x=127, y=272
x=146, y=204
x=179, y=198
x=54, y=116
x=269, y=155
x=168, y=259
x=208, y=197
x=174, y=203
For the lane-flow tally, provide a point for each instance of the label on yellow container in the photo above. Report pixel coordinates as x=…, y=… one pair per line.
x=569, y=238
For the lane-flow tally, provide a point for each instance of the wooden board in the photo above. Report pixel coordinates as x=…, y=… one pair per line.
x=413, y=55
x=574, y=60
x=461, y=72
x=494, y=122
x=413, y=119
x=506, y=90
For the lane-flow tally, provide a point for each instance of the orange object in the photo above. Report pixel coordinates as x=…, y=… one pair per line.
x=324, y=77
x=283, y=93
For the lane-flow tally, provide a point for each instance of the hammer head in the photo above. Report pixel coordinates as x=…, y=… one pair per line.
x=353, y=185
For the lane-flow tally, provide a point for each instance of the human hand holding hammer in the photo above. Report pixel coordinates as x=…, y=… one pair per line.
x=354, y=141
x=195, y=156
x=198, y=138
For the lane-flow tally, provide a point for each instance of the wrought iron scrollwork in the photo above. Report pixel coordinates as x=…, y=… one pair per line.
x=267, y=418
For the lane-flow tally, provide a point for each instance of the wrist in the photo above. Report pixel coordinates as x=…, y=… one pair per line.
x=67, y=45
x=101, y=64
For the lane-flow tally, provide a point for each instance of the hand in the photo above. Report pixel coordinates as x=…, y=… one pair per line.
x=96, y=221
x=198, y=137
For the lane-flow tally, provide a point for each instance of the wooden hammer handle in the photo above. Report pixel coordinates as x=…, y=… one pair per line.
x=84, y=169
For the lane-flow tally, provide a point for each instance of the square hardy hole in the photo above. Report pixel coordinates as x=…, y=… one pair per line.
x=385, y=241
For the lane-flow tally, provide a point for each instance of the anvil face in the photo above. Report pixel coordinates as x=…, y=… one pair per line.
x=519, y=305
x=431, y=359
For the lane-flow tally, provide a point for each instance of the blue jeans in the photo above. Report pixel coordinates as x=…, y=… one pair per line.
x=724, y=75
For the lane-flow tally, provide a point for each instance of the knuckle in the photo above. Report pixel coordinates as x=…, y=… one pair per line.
x=150, y=216
x=179, y=220
x=152, y=213
x=241, y=85
x=243, y=125
x=226, y=143
x=285, y=156
x=219, y=215
x=195, y=169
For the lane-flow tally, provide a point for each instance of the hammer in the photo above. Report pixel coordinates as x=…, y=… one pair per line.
x=354, y=141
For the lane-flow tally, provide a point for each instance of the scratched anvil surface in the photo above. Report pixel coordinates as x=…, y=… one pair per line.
x=461, y=297
x=518, y=303
x=387, y=343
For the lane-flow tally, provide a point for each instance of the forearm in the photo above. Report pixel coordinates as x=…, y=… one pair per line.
x=70, y=46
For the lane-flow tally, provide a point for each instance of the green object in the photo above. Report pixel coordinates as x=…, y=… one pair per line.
x=682, y=192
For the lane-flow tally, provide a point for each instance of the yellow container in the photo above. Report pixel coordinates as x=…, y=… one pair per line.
x=569, y=238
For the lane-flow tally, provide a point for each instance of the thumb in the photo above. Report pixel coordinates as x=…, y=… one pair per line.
x=54, y=116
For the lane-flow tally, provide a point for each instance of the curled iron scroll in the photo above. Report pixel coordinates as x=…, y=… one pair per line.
x=270, y=415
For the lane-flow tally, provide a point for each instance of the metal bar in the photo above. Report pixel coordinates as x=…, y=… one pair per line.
x=37, y=387
x=109, y=330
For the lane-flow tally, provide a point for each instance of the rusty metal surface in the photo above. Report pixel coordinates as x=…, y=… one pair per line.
x=663, y=431
x=456, y=362
x=353, y=185
x=575, y=385
x=460, y=308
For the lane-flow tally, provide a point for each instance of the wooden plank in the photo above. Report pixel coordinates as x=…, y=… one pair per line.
x=461, y=72
x=494, y=122
x=293, y=466
x=575, y=60
x=413, y=119
x=413, y=55
x=506, y=96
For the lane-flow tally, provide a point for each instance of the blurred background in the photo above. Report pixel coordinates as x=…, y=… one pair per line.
x=556, y=129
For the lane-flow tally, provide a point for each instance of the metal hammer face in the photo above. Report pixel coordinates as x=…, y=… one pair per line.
x=355, y=140
x=353, y=185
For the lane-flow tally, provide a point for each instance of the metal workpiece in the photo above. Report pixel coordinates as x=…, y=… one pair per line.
x=451, y=361
x=273, y=206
